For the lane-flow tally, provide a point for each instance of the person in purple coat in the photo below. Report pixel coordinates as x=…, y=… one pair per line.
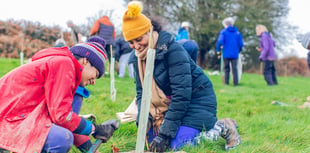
x=267, y=55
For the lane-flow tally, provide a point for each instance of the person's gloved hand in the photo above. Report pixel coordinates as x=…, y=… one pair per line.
x=258, y=49
x=218, y=55
x=160, y=144
x=105, y=130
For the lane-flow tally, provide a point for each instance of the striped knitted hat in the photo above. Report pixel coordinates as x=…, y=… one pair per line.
x=94, y=52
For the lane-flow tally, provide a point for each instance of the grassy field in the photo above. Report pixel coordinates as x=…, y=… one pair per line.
x=263, y=127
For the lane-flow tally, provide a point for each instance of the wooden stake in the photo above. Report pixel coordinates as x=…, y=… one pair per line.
x=21, y=54
x=112, y=85
x=146, y=97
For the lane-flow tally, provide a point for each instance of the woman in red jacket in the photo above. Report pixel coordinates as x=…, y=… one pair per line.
x=36, y=99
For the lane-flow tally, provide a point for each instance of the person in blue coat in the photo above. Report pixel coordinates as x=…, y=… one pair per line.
x=230, y=44
x=183, y=31
x=183, y=102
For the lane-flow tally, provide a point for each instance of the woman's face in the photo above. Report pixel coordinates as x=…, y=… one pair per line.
x=140, y=43
x=89, y=74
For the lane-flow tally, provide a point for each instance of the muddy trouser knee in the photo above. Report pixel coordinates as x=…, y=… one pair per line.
x=59, y=140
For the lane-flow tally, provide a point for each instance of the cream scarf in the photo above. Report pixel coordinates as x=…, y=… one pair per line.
x=159, y=101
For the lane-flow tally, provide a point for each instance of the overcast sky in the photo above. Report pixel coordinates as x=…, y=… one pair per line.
x=58, y=12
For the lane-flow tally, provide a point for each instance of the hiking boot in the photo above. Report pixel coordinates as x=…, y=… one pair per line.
x=229, y=132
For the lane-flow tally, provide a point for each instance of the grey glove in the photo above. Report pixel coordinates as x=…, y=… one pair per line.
x=105, y=130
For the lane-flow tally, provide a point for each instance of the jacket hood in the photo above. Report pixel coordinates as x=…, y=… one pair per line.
x=105, y=19
x=232, y=29
x=61, y=51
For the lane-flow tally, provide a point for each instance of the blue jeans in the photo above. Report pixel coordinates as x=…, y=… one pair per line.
x=59, y=140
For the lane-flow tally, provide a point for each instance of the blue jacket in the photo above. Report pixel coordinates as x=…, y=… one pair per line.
x=193, y=101
x=182, y=34
x=267, y=45
x=231, y=41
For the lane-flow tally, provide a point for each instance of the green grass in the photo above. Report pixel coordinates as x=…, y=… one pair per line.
x=263, y=127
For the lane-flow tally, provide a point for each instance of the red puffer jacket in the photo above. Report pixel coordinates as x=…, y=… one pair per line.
x=34, y=96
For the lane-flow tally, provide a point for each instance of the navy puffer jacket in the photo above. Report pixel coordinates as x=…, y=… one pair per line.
x=193, y=100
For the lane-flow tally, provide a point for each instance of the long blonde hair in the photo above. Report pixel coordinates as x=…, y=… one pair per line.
x=260, y=29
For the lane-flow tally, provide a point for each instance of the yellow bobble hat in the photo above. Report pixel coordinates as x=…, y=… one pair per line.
x=135, y=24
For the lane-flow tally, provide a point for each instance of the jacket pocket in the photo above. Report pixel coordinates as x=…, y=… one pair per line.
x=199, y=88
x=16, y=117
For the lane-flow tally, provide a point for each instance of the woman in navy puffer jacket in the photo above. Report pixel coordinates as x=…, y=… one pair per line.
x=183, y=101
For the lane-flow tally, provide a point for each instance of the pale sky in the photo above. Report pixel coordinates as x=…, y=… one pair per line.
x=58, y=12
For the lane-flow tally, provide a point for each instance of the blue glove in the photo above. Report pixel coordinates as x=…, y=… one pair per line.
x=160, y=144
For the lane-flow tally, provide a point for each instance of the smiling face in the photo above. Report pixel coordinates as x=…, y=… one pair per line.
x=89, y=74
x=140, y=43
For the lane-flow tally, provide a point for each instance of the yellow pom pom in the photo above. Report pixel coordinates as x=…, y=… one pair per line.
x=134, y=9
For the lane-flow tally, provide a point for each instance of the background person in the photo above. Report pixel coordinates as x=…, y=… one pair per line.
x=104, y=28
x=305, y=42
x=267, y=54
x=191, y=47
x=230, y=44
x=183, y=31
x=183, y=101
x=47, y=86
x=122, y=54
x=75, y=33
